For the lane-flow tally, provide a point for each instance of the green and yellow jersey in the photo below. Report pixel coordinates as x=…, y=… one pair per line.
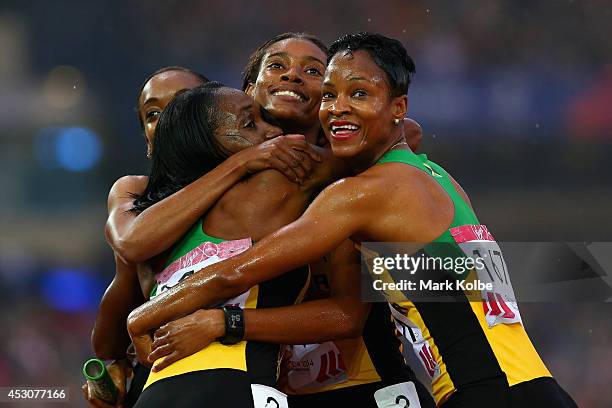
x=197, y=250
x=482, y=337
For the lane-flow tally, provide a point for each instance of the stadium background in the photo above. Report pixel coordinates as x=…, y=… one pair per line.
x=515, y=98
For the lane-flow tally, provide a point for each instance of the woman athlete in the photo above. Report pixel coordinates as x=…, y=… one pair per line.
x=132, y=281
x=134, y=278
x=478, y=357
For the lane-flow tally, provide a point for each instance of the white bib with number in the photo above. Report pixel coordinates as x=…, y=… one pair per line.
x=268, y=397
x=499, y=304
x=401, y=395
x=411, y=332
x=203, y=255
x=316, y=365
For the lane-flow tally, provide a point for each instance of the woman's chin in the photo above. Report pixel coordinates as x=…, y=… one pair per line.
x=344, y=151
x=290, y=113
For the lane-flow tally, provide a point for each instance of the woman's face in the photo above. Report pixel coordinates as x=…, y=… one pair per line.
x=243, y=121
x=357, y=111
x=157, y=93
x=289, y=81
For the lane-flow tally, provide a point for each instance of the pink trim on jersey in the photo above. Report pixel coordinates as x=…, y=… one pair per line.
x=202, y=252
x=465, y=233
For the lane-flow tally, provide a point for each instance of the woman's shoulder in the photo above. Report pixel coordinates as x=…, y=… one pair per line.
x=129, y=182
x=128, y=186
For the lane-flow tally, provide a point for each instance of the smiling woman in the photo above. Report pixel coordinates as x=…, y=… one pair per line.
x=355, y=105
x=284, y=75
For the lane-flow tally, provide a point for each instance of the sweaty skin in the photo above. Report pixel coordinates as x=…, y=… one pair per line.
x=138, y=237
x=288, y=85
x=348, y=209
x=267, y=200
x=290, y=65
x=340, y=316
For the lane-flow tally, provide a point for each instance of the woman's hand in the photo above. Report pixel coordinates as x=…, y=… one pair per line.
x=186, y=336
x=140, y=335
x=119, y=371
x=142, y=346
x=289, y=154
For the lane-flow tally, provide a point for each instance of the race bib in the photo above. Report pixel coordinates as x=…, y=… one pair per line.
x=203, y=255
x=401, y=395
x=411, y=332
x=499, y=304
x=268, y=397
x=316, y=365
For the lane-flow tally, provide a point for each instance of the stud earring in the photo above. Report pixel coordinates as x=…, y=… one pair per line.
x=396, y=121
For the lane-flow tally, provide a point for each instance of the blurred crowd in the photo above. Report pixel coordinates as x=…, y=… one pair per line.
x=514, y=98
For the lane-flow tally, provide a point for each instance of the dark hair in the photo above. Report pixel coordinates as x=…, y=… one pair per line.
x=251, y=70
x=185, y=144
x=389, y=54
x=161, y=71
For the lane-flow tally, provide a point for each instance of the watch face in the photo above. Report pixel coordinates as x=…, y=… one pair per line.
x=234, y=325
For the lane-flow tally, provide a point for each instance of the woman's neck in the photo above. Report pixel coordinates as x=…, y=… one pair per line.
x=370, y=158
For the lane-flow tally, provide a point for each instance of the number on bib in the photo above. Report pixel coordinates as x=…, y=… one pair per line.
x=499, y=304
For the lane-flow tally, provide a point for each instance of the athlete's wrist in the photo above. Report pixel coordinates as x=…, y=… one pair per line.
x=239, y=162
x=217, y=324
x=234, y=325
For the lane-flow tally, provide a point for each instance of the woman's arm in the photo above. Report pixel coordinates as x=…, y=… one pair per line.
x=109, y=336
x=337, y=213
x=137, y=238
x=340, y=316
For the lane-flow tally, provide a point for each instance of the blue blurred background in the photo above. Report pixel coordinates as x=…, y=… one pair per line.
x=515, y=99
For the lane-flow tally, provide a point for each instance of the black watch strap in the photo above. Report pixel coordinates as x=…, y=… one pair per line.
x=234, y=325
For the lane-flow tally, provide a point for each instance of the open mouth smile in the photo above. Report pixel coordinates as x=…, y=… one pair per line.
x=289, y=94
x=342, y=130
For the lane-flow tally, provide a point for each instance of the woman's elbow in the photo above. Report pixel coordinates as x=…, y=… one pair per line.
x=231, y=283
x=128, y=250
x=133, y=323
x=342, y=326
x=353, y=320
x=352, y=328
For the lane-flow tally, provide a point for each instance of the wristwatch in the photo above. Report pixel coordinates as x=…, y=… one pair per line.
x=234, y=325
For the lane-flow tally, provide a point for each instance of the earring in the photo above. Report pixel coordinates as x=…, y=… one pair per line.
x=149, y=154
x=396, y=121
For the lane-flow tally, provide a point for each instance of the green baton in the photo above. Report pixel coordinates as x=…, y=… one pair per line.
x=99, y=381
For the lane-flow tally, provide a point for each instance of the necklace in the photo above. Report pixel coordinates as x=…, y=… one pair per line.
x=398, y=144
